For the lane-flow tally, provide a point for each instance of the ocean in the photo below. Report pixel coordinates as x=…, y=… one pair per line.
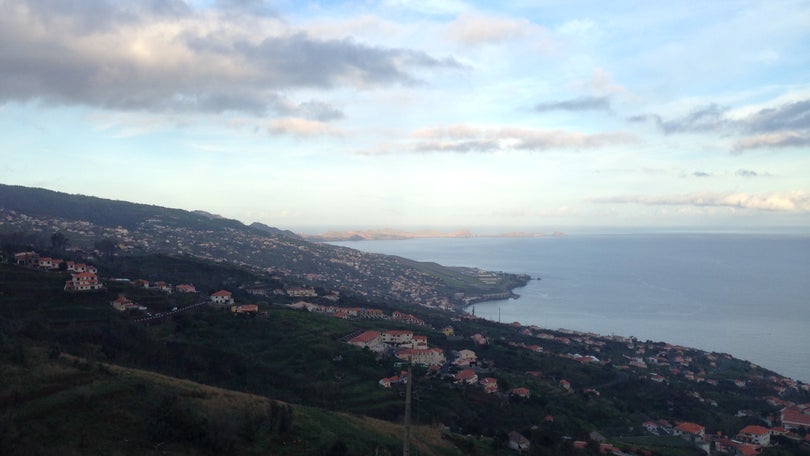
x=743, y=294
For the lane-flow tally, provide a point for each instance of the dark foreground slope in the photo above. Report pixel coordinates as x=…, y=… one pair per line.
x=301, y=358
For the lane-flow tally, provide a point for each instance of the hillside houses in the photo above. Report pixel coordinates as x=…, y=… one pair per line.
x=185, y=288
x=222, y=297
x=83, y=281
x=422, y=356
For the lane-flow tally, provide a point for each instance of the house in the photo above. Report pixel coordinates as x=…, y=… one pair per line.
x=690, y=431
x=423, y=356
x=245, y=309
x=397, y=337
x=466, y=376
x=83, y=281
x=757, y=435
x=565, y=384
x=301, y=292
x=122, y=304
x=520, y=392
x=396, y=379
x=518, y=442
x=223, y=297
x=26, y=258
x=651, y=427
x=185, y=288
x=163, y=286
x=48, y=263
x=81, y=267
x=369, y=339
x=448, y=331
x=796, y=417
x=489, y=384
x=465, y=358
x=140, y=283
x=420, y=341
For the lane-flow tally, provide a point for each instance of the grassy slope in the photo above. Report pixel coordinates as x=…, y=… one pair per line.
x=65, y=405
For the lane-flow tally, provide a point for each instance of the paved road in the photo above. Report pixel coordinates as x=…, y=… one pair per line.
x=171, y=312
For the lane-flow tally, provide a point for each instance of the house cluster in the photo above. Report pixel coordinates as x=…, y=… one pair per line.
x=349, y=313
x=83, y=276
x=124, y=304
x=386, y=382
x=750, y=440
x=403, y=344
x=163, y=286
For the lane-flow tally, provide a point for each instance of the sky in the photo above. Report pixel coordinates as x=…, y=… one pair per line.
x=450, y=114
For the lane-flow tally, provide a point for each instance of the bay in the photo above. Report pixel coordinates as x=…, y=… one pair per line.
x=743, y=294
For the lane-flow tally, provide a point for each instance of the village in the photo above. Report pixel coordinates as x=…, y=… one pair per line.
x=654, y=362
x=314, y=264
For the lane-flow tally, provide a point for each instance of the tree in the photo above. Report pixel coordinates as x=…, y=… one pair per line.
x=59, y=241
x=107, y=247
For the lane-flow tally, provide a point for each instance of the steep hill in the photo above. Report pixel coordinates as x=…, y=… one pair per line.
x=144, y=229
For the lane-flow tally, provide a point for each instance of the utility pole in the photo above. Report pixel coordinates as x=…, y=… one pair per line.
x=406, y=443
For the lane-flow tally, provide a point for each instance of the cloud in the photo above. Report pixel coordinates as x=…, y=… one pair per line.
x=789, y=116
x=772, y=140
x=746, y=173
x=469, y=138
x=164, y=56
x=786, y=125
x=576, y=104
x=701, y=174
x=797, y=201
x=705, y=118
x=472, y=29
x=299, y=127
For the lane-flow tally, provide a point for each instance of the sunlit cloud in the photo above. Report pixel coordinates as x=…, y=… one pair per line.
x=302, y=127
x=796, y=201
x=472, y=29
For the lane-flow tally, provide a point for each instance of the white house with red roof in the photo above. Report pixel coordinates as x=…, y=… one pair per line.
x=466, y=376
x=83, y=281
x=185, y=288
x=26, y=258
x=397, y=337
x=223, y=297
x=690, y=431
x=465, y=358
x=245, y=309
x=123, y=304
x=520, y=392
x=796, y=417
x=490, y=385
x=419, y=341
x=423, y=356
x=758, y=435
x=163, y=286
x=369, y=339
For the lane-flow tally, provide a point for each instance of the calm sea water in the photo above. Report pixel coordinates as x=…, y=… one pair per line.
x=746, y=295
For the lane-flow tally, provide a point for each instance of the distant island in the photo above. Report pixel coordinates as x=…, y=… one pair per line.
x=388, y=234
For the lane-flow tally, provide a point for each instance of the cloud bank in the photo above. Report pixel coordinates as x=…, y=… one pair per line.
x=797, y=201
x=786, y=125
x=166, y=56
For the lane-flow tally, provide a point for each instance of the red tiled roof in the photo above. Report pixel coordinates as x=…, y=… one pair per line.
x=397, y=332
x=366, y=337
x=690, y=428
x=755, y=430
x=465, y=374
x=797, y=415
x=222, y=293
